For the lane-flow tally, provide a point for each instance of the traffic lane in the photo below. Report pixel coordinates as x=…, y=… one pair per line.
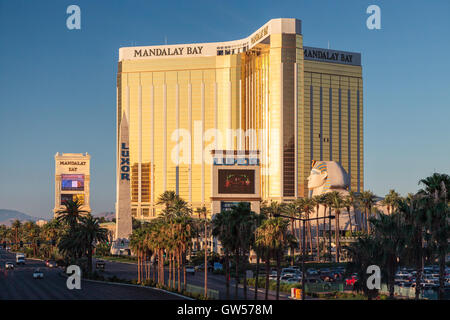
x=216, y=282
x=18, y=284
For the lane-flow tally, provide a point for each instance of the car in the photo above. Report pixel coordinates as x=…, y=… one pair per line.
x=312, y=272
x=324, y=271
x=46, y=262
x=285, y=278
x=317, y=281
x=289, y=270
x=190, y=269
x=294, y=280
x=9, y=265
x=100, y=264
x=52, y=264
x=38, y=274
x=403, y=274
x=201, y=267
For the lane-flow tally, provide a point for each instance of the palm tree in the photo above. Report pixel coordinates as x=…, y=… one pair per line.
x=221, y=228
x=436, y=193
x=242, y=227
x=307, y=209
x=167, y=198
x=291, y=210
x=363, y=253
x=327, y=204
x=353, y=199
x=72, y=213
x=348, y=205
x=204, y=211
x=391, y=236
x=90, y=232
x=436, y=182
x=413, y=213
x=337, y=203
x=318, y=200
x=367, y=200
x=391, y=200
x=16, y=226
x=263, y=242
x=273, y=235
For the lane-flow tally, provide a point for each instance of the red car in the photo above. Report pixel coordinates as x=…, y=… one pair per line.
x=351, y=281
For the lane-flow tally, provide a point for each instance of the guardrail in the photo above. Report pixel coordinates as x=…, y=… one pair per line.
x=409, y=292
x=212, y=294
x=324, y=287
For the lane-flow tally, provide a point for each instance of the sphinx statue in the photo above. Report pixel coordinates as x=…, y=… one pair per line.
x=329, y=176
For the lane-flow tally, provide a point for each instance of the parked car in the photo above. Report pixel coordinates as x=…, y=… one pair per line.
x=324, y=271
x=285, y=278
x=100, y=264
x=403, y=274
x=38, y=274
x=190, y=269
x=289, y=271
x=9, y=265
x=201, y=267
x=294, y=280
x=312, y=272
x=317, y=281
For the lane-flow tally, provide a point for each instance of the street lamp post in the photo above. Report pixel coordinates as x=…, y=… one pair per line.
x=303, y=260
x=303, y=244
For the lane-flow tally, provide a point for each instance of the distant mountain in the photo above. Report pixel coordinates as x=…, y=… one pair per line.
x=8, y=216
x=107, y=215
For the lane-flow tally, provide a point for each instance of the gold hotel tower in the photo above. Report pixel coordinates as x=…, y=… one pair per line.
x=308, y=101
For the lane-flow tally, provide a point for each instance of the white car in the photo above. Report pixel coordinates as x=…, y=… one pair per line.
x=403, y=274
x=38, y=274
x=190, y=270
x=294, y=280
x=9, y=265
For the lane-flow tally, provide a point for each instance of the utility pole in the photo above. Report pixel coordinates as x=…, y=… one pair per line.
x=303, y=259
x=329, y=235
x=206, y=255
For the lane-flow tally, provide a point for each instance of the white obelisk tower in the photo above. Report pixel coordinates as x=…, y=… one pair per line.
x=123, y=203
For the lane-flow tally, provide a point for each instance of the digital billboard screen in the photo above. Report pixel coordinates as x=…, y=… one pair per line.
x=236, y=181
x=72, y=197
x=72, y=182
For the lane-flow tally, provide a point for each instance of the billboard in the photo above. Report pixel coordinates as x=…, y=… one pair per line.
x=236, y=181
x=72, y=197
x=72, y=182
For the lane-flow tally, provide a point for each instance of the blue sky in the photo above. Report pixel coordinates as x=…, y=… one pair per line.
x=57, y=86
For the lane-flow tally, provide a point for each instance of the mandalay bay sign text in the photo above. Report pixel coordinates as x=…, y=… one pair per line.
x=177, y=51
x=333, y=56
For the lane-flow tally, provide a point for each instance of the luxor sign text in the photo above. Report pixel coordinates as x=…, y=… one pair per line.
x=124, y=162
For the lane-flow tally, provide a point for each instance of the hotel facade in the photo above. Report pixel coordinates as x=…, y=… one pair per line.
x=267, y=94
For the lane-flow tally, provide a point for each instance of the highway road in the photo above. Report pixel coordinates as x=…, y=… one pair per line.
x=216, y=282
x=18, y=284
